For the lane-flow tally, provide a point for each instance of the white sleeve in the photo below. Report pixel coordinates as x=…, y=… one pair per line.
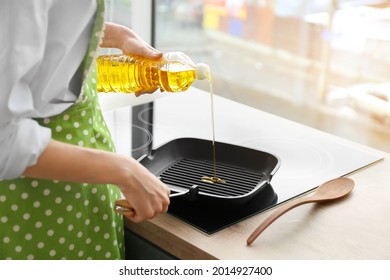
x=21, y=144
x=23, y=28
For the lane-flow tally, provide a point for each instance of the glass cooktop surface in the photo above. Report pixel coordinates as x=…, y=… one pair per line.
x=306, y=160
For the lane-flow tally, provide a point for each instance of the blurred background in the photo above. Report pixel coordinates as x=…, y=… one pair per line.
x=323, y=63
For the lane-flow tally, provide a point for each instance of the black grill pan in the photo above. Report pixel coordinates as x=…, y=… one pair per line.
x=182, y=162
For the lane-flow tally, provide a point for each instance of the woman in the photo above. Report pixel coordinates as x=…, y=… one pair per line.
x=59, y=175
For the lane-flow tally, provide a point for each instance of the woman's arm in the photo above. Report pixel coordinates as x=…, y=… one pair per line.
x=65, y=162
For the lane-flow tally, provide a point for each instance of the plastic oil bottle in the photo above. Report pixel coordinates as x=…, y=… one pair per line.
x=173, y=73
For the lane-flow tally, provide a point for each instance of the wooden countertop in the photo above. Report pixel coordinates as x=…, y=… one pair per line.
x=354, y=227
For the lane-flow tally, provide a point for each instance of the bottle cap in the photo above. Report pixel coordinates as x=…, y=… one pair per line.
x=202, y=71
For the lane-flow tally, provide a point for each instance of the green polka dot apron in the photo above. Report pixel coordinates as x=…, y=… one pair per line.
x=45, y=219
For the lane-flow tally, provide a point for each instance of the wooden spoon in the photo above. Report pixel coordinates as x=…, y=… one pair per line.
x=330, y=190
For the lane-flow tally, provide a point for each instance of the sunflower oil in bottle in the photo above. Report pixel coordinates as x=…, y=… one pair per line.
x=173, y=73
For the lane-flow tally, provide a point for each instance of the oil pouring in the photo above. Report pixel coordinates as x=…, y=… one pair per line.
x=214, y=178
x=175, y=72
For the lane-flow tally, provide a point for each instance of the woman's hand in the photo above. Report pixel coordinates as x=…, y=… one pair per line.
x=125, y=39
x=147, y=195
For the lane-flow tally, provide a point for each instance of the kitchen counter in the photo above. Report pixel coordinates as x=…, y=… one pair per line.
x=354, y=227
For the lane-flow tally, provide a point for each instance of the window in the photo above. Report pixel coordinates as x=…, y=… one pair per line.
x=297, y=59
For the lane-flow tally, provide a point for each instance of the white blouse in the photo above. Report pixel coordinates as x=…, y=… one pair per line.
x=41, y=48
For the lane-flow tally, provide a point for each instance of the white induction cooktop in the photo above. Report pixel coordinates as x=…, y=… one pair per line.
x=307, y=160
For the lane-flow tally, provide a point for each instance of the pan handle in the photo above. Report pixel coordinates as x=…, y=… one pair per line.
x=191, y=193
x=123, y=207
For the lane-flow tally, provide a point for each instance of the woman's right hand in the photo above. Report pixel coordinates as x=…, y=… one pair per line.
x=125, y=39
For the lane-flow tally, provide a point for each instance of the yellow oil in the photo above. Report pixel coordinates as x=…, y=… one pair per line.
x=121, y=73
x=127, y=74
x=214, y=178
x=174, y=81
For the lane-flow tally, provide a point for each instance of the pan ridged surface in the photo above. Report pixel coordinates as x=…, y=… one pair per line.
x=188, y=172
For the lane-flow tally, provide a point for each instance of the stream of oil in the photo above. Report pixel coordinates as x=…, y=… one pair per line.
x=214, y=178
